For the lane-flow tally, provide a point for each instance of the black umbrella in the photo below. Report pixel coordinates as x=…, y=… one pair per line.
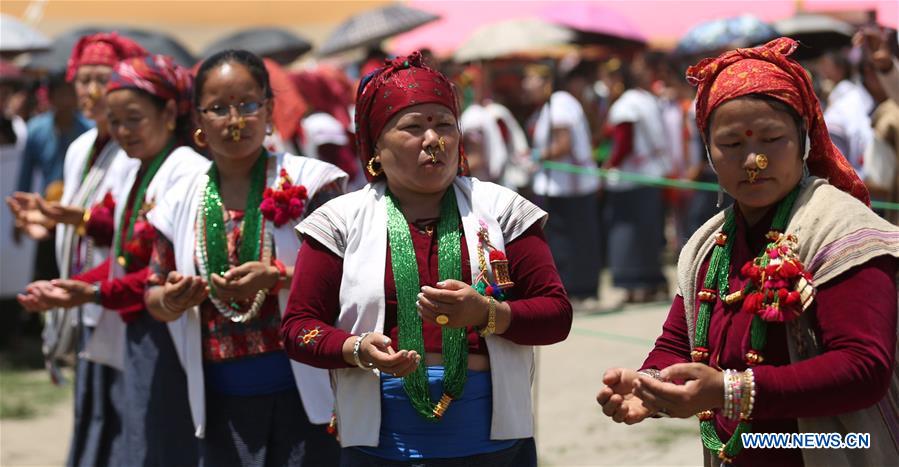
x=816, y=34
x=277, y=44
x=55, y=59
x=370, y=28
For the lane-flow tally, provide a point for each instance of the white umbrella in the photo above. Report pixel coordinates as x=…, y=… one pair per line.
x=17, y=37
x=816, y=34
x=512, y=37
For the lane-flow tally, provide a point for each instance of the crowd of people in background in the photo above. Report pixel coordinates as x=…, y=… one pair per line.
x=119, y=168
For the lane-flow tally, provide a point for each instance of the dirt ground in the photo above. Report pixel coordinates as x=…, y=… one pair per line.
x=571, y=430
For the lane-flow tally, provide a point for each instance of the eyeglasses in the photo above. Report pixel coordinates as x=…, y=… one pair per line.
x=244, y=109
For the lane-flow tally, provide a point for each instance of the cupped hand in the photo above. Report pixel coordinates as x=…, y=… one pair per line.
x=617, y=398
x=703, y=389
x=60, y=213
x=181, y=292
x=375, y=349
x=242, y=282
x=458, y=301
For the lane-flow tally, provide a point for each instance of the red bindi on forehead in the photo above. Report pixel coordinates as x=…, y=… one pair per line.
x=748, y=132
x=430, y=118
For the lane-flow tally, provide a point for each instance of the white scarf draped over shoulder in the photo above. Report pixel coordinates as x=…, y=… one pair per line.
x=175, y=218
x=835, y=233
x=107, y=344
x=354, y=227
x=82, y=190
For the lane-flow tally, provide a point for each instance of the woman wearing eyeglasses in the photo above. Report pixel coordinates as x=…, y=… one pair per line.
x=226, y=255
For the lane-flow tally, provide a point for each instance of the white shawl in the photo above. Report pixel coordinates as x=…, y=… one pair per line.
x=107, y=345
x=354, y=227
x=110, y=167
x=175, y=216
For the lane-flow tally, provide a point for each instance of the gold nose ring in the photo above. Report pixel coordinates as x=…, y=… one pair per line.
x=761, y=161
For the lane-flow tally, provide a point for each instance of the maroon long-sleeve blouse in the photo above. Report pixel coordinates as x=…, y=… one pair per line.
x=541, y=312
x=123, y=294
x=856, y=323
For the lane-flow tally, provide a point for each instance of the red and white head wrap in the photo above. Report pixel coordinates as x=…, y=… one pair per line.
x=157, y=75
x=768, y=70
x=101, y=49
x=383, y=93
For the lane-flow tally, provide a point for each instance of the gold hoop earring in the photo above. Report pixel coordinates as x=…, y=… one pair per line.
x=199, y=140
x=370, y=167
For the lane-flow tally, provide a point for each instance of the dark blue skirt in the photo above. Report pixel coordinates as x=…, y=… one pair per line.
x=158, y=427
x=97, y=435
x=635, y=220
x=264, y=430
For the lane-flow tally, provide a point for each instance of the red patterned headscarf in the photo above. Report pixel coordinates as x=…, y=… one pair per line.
x=101, y=49
x=769, y=71
x=383, y=93
x=157, y=75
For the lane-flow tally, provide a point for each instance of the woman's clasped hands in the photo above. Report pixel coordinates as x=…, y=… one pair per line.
x=680, y=391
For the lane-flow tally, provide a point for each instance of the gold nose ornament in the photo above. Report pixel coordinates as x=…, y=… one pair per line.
x=442, y=143
x=761, y=163
x=431, y=153
x=235, y=130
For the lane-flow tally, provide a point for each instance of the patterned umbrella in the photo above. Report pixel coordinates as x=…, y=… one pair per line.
x=277, y=44
x=370, y=28
x=727, y=33
x=56, y=58
x=513, y=36
x=17, y=37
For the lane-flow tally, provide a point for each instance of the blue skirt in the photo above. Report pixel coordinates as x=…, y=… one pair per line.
x=159, y=430
x=97, y=435
x=463, y=431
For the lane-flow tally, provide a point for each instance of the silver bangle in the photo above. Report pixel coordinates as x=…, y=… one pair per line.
x=357, y=346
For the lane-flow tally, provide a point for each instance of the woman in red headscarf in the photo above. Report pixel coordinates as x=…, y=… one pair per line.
x=93, y=164
x=786, y=317
x=148, y=115
x=425, y=291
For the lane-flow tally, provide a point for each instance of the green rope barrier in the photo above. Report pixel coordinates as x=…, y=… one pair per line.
x=662, y=182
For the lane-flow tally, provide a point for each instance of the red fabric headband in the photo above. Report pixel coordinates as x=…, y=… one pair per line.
x=768, y=70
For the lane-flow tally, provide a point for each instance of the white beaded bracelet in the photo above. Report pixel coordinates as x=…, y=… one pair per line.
x=356, y=348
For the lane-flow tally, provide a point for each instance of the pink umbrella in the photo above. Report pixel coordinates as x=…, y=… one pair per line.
x=662, y=22
x=592, y=17
x=458, y=20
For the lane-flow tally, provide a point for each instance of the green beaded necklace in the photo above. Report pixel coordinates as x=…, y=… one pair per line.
x=717, y=278
x=405, y=275
x=124, y=258
x=216, y=251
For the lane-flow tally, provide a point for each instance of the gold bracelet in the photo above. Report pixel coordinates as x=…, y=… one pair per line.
x=491, y=318
x=81, y=230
